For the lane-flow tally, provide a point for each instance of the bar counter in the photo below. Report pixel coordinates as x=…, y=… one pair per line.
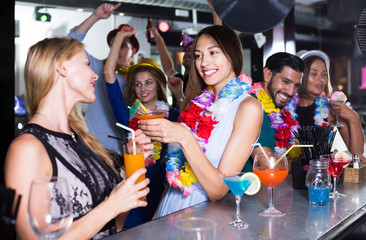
x=302, y=220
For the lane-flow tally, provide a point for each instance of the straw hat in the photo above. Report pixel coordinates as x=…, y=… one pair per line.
x=150, y=63
x=304, y=54
x=113, y=33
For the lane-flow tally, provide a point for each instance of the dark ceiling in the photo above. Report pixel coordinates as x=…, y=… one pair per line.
x=319, y=13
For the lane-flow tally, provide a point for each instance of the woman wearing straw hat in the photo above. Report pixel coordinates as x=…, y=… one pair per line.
x=312, y=107
x=146, y=83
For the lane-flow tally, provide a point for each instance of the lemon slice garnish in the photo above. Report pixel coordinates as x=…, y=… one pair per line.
x=341, y=156
x=255, y=186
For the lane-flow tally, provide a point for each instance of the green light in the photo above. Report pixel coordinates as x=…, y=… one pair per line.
x=43, y=18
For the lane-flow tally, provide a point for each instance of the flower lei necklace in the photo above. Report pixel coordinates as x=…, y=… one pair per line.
x=201, y=117
x=282, y=121
x=321, y=109
x=133, y=123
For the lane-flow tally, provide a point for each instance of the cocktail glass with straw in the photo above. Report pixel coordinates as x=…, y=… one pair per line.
x=272, y=169
x=336, y=168
x=133, y=161
x=141, y=112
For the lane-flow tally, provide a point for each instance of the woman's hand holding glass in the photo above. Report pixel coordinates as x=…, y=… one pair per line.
x=338, y=109
x=126, y=195
x=164, y=130
x=143, y=143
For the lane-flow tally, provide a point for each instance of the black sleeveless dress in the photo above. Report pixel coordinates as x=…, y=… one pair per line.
x=89, y=177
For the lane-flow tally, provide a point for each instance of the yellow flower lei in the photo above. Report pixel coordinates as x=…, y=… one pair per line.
x=157, y=149
x=266, y=101
x=268, y=107
x=186, y=176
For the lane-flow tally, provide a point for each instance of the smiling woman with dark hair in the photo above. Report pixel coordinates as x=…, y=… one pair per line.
x=216, y=131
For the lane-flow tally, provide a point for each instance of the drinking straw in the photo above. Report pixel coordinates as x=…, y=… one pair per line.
x=288, y=150
x=133, y=136
x=260, y=146
x=331, y=160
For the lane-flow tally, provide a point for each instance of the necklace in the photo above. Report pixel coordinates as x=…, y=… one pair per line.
x=201, y=117
x=282, y=121
x=121, y=70
x=54, y=124
x=320, y=113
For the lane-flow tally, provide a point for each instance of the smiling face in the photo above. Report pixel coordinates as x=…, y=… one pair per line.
x=211, y=63
x=318, y=78
x=282, y=86
x=80, y=77
x=146, y=88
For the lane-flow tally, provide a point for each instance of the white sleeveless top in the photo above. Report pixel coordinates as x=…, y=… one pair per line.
x=174, y=200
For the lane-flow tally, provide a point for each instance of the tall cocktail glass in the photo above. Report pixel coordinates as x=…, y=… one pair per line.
x=271, y=171
x=133, y=162
x=237, y=186
x=336, y=166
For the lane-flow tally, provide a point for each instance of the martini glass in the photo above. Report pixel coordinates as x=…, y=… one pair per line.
x=152, y=114
x=237, y=186
x=272, y=169
x=336, y=168
x=338, y=124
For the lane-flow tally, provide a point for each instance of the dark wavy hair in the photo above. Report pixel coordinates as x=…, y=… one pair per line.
x=231, y=46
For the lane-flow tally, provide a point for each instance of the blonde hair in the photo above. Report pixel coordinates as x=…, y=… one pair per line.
x=42, y=61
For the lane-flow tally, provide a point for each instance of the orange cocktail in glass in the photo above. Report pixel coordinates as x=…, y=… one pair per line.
x=133, y=163
x=272, y=169
x=271, y=177
x=151, y=115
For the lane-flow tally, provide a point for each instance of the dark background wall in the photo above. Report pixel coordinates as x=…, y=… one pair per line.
x=7, y=29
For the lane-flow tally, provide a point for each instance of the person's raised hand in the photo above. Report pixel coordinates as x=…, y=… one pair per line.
x=105, y=10
x=342, y=110
x=127, y=31
x=175, y=85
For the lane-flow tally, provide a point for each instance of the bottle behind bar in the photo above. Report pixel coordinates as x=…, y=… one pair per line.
x=149, y=33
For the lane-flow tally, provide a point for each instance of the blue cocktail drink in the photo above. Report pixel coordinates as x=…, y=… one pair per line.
x=319, y=195
x=238, y=183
